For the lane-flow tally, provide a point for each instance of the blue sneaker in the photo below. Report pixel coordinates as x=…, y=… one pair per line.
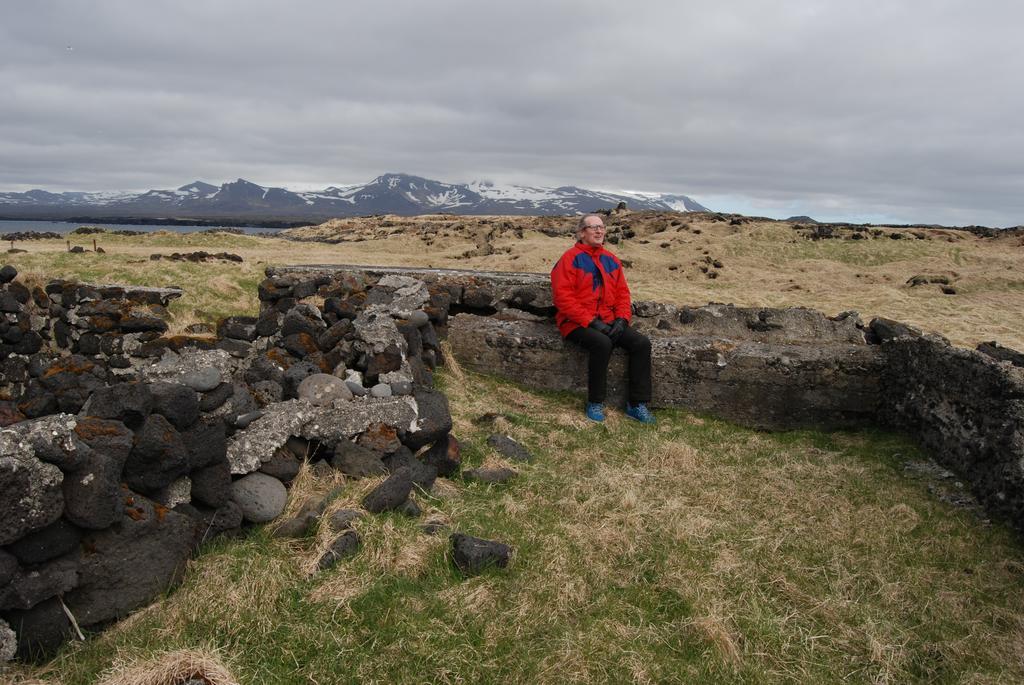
x=595, y=411
x=640, y=413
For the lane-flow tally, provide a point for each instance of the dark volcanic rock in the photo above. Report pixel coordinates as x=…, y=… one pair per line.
x=127, y=565
x=509, y=448
x=489, y=475
x=41, y=629
x=391, y=494
x=8, y=568
x=422, y=474
x=238, y=328
x=30, y=587
x=178, y=403
x=32, y=496
x=887, y=329
x=205, y=442
x=215, y=398
x=445, y=456
x=355, y=460
x=296, y=373
x=435, y=418
x=92, y=492
x=158, y=456
x=56, y=540
x=1001, y=353
x=380, y=438
x=473, y=555
x=211, y=485
x=130, y=403
x=345, y=545
x=283, y=465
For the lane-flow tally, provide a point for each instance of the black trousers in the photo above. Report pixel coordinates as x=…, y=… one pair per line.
x=599, y=348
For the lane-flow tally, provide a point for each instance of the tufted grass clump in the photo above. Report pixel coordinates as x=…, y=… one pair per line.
x=690, y=551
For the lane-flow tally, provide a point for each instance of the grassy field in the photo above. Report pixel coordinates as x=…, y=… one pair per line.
x=693, y=551
x=764, y=264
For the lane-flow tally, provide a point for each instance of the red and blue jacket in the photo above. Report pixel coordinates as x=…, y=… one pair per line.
x=588, y=282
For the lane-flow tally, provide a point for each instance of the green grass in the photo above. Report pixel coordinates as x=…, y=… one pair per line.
x=692, y=551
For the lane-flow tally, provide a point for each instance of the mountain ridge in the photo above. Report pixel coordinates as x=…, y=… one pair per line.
x=389, y=193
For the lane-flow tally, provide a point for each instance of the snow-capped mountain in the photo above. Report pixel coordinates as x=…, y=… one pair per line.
x=386, y=194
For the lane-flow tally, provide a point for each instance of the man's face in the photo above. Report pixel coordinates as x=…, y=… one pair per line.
x=592, y=232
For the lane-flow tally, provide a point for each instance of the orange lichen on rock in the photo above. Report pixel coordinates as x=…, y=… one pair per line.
x=70, y=366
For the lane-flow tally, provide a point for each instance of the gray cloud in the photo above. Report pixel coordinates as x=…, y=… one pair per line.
x=905, y=110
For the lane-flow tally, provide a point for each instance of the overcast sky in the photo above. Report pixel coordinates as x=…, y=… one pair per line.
x=854, y=110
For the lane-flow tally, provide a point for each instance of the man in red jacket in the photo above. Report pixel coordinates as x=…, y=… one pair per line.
x=594, y=307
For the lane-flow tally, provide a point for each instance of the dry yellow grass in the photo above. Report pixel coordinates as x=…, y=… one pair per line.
x=765, y=263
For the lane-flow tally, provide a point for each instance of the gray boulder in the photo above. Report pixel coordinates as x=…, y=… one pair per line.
x=261, y=498
x=203, y=379
x=323, y=390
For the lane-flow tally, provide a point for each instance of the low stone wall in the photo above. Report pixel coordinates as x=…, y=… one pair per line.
x=123, y=449
x=777, y=386
x=967, y=408
x=765, y=368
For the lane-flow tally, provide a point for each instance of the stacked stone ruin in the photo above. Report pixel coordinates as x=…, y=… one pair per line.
x=125, y=448
x=122, y=449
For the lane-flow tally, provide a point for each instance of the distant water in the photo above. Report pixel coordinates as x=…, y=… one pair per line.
x=22, y=225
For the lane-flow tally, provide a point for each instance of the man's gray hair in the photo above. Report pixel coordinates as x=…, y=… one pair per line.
x=583, y=220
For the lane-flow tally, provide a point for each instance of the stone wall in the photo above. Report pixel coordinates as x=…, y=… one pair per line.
x=967, y=408
x=765, y=368
x=123, y=449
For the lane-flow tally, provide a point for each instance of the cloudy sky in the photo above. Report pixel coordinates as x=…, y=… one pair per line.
x=887, y=110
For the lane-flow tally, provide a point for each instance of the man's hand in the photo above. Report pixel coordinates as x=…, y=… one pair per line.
x=600, y=326
x=617, y=328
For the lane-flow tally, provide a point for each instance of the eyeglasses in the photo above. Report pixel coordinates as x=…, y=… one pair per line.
x=599, y=227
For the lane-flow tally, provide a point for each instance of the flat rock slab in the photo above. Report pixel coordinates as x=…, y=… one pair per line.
x=191, y=366
x=473, y=555
x=768, y=384
x=256, y=444
x=509, y=448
